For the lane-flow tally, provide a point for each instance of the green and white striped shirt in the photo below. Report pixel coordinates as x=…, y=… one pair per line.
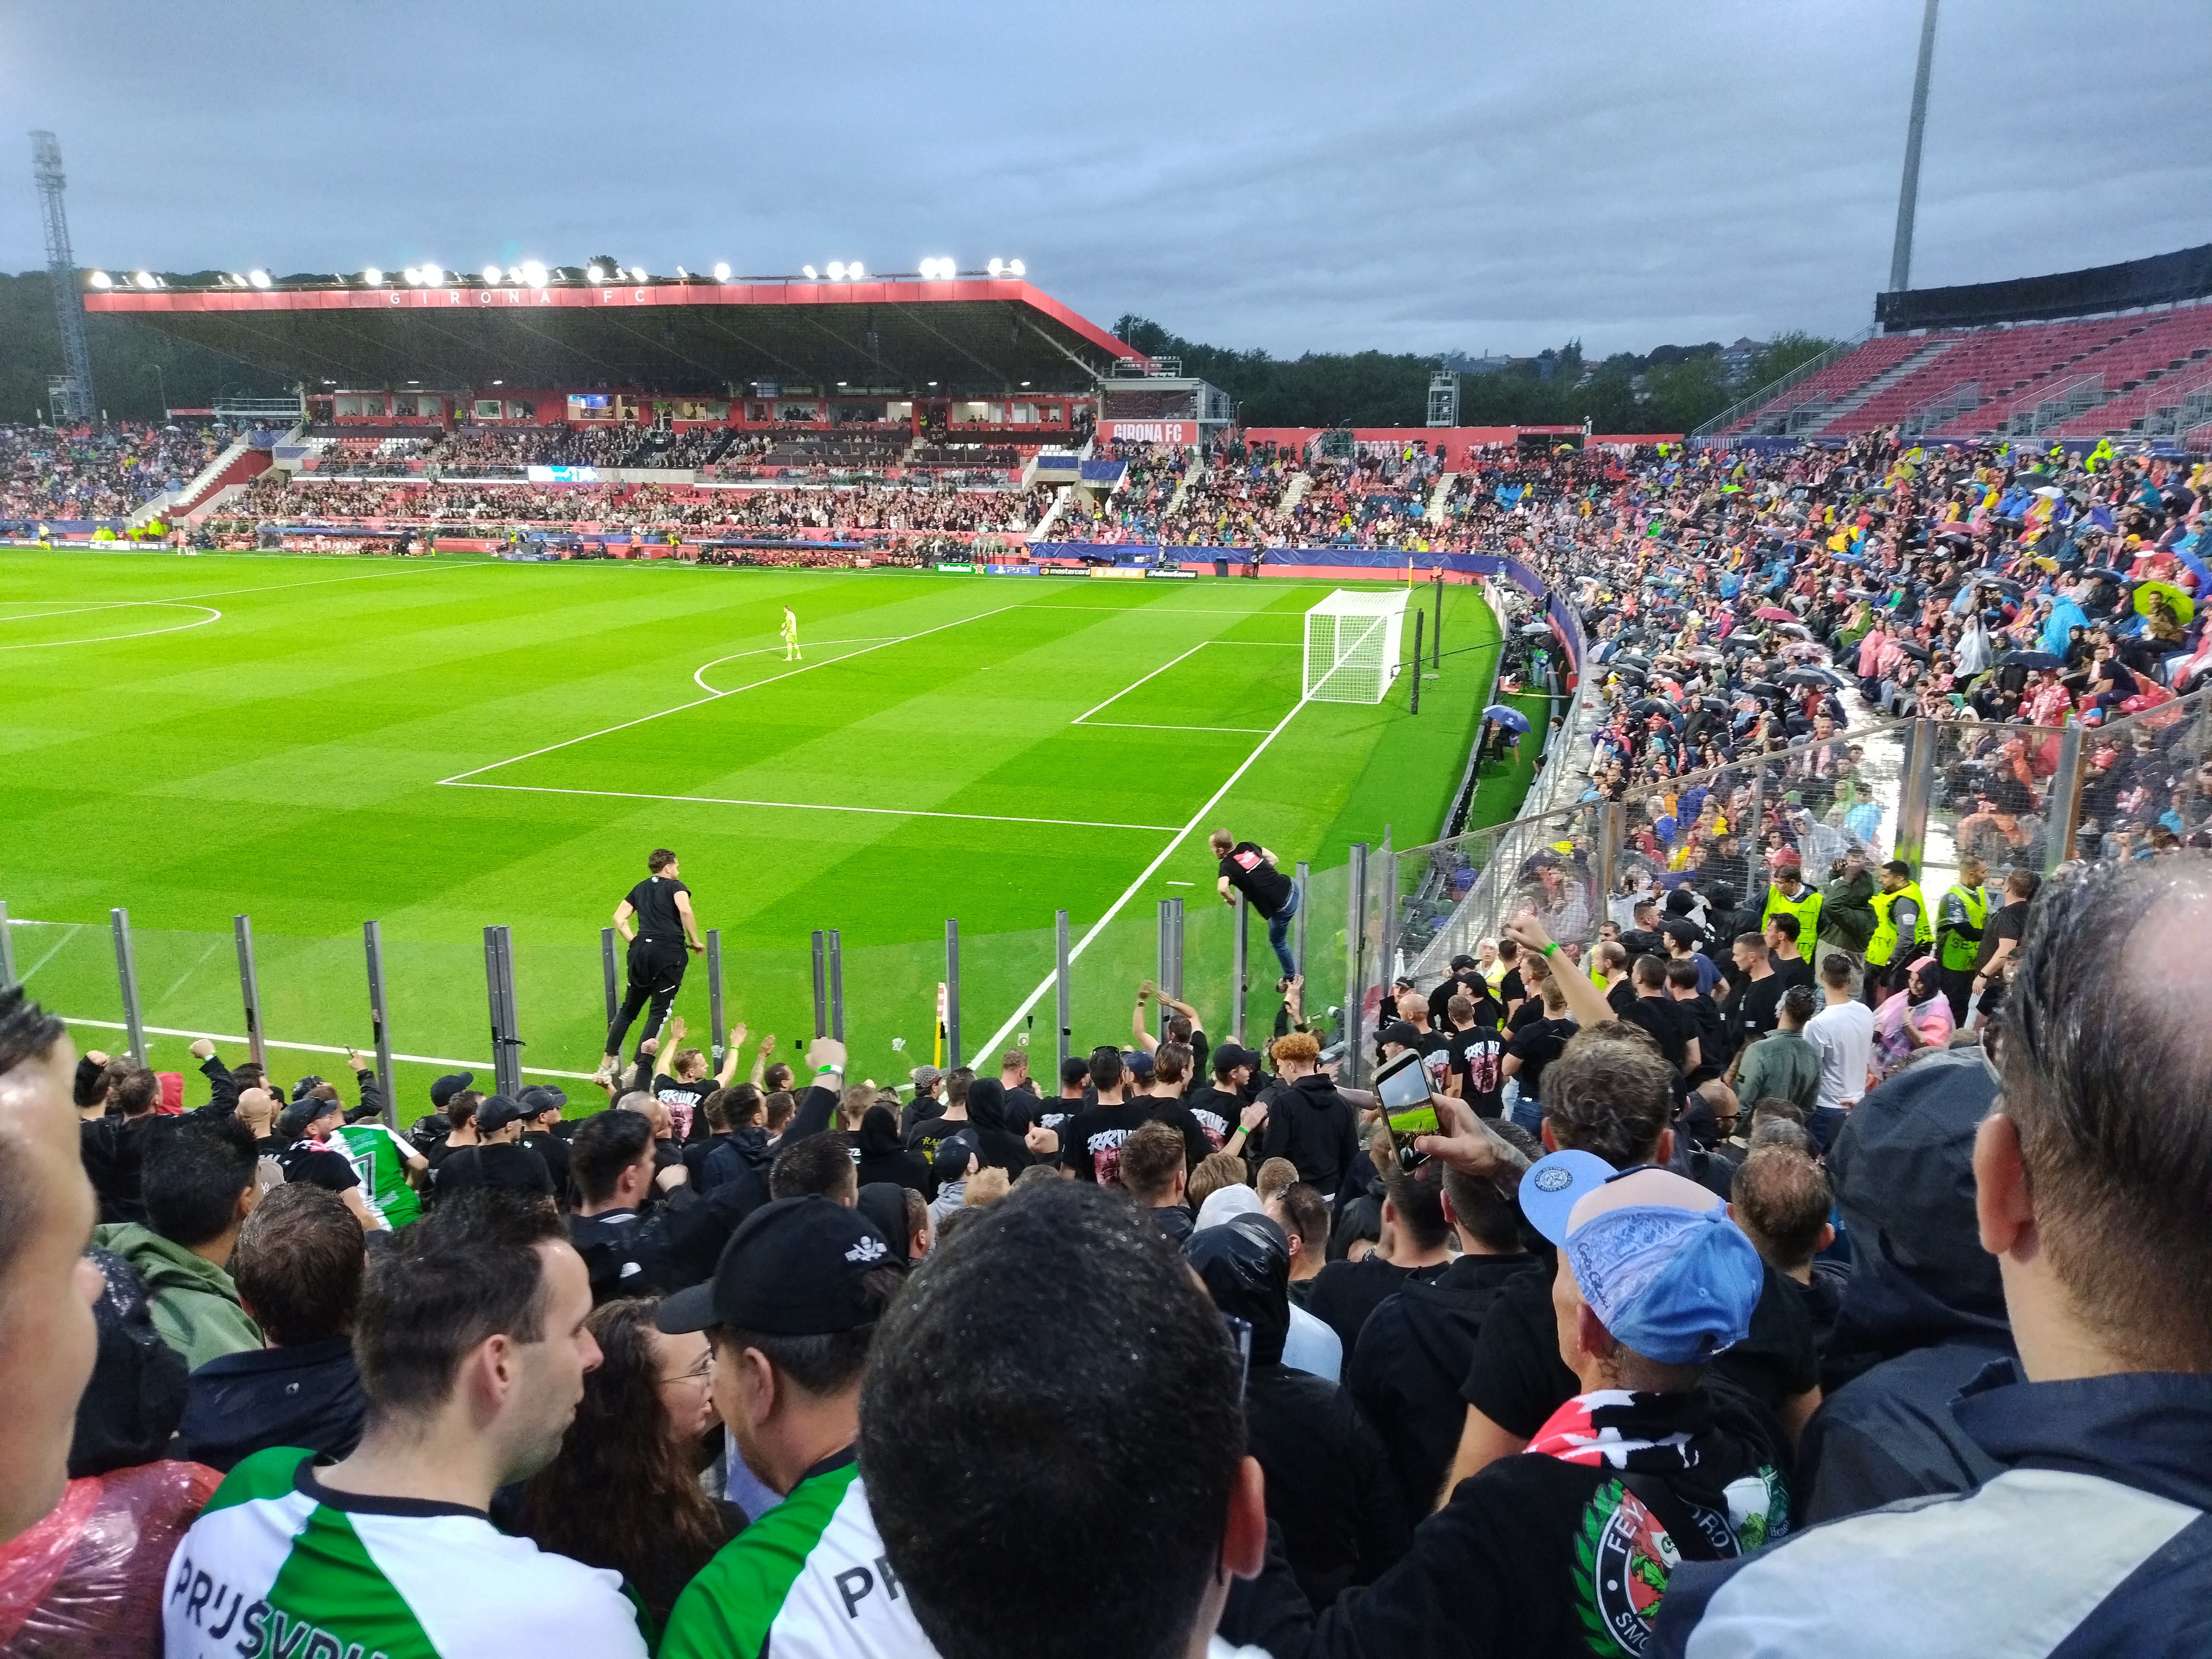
x=380, y=1159
x=279, y=1566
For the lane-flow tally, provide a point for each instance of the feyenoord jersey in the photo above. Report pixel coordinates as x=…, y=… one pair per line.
x=380, y=1159
x=807, y=1580
x=278, y=1564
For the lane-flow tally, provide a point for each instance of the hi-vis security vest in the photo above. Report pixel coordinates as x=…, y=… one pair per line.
x=1806, y=907
x=1883, y=945
x=1959, y=953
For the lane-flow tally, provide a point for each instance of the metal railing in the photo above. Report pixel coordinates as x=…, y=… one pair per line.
x=1773, y=389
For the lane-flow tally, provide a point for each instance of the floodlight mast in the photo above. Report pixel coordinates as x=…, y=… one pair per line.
x=1908, y=192
x=68, y=398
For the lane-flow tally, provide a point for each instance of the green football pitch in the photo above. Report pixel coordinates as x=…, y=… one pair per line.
x=453, y=743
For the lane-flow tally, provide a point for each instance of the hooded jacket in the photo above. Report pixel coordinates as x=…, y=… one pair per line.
x=883, y=1155
x=739, y=1158
x=1314, y=1127
x=196, y=1307
x=1847, y=918
x=1329, y=1486
x=1923, y=1310
x=1000, y=1147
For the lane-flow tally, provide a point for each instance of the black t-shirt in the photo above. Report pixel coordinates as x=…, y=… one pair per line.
x=1537, y=1045
x=1173, y=1219
x=1250, y=872
x=309, y=1161
x=655, y=901
x=503, y=1163
x=684, y=1101
x=1754, y=1006
x=1512, y=988
x=1798, y=970
x=1197, y=1144
x=1476, y=1056
x=2009, y=921
x=1090, y=1141
x=1516, y=1379
x=554, y=1151
x=1618, y=997
x=1672, y=1025
x=1219, y=1113
x=1343, y=1293
x=1469, y=984
x=928, y=1136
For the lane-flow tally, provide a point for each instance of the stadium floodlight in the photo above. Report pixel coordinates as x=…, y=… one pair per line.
x=431, y=276
x=594, y=274
x=807, y=271
x=533, y=273
x=259, y=278
x=1018, y=268
x=373, y=276
x=837, y=271
x=1351, y=646
x=100, y=279
x=996, y=266
x=144, y=279
x=491, y=274
x=637, y=274
x=855, y=271
x=413, y=275
x=722, y=271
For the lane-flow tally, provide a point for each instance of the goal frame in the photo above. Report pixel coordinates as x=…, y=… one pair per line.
x=1353, y=645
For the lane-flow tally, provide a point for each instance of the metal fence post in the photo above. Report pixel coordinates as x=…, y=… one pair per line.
x=1161, y=976
x=836, y=988
x=249, y=991
x=1059, y=972
x=1610, y=828
x=607, y=972
x=6, y=950
x=1355, y=948
x=499, y=990
x=821, y=990
x=2064, y=811
x=718, y=1031
x=1914, y=791
x=1303, y=879
x=1386, y=923
x=1175, y=949
x=126, y=978
x=1436, y=633
x=372, y=939
x=1414, y=706
x=1240, y=977
x=952, y=989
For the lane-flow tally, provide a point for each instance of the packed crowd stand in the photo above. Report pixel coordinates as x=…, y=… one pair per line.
x=1720, y=1288
x=49, y=472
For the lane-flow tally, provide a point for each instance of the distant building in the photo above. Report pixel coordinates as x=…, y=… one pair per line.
x=1737, y=358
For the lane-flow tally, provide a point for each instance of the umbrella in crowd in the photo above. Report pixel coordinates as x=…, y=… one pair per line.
x=2029, y=659
x=1774, y=613
x=1918, y=653
x=2183, y=607
x=1511, y=719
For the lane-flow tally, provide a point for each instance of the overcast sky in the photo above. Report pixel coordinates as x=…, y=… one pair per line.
x=1297, y=176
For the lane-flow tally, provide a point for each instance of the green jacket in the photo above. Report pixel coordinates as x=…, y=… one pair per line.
x=1847, y=918
x=1781, y=1065
x=195, y=1306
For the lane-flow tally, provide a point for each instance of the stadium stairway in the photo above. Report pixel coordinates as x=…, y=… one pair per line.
x=1196, y=475
x=1043, y=531
x=240, y=465
x=1907, y=367
x=1300, y=482
x=1440, y=498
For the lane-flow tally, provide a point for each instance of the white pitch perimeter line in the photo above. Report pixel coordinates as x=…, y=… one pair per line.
x=696, y=703
x=316, y=1047
x=809, y=806
x=1143, y=726
x=1137, y=886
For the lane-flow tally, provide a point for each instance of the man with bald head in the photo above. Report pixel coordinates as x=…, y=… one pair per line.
x=47, y=1287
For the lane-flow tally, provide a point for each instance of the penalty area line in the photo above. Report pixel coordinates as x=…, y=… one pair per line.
x=815, y=806
x=1137, y=886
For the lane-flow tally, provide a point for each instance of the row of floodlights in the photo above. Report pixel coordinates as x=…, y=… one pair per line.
x=531, y=274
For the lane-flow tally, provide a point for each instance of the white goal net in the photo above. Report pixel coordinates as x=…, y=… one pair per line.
x=1351, y=646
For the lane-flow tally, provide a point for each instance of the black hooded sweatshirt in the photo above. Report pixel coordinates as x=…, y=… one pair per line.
x=1314, y=1127
x=883, y=1155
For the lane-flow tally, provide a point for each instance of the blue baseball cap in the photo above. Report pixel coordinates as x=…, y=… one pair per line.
x=1654, y=1255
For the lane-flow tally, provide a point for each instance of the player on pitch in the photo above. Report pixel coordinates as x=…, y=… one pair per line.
x=665, y=929
x=791, y=652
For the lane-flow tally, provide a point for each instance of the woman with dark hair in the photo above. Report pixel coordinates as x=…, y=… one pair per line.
x=624, y=1492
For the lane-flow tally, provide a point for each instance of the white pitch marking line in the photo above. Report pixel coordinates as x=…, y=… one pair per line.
x=899, y=639
x=316, y=1048
x=862, y=639
x=1084, y=717
x=811, y=806
x=1137, y=886
x=1142, y=725
x=1134, y=683
x=213, y=615
x=228, y=592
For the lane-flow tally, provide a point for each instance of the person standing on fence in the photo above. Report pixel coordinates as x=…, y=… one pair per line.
x=790, y=632
x=1252, y=870
x=664, y=930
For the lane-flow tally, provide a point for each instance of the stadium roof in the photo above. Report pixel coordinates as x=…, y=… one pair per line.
x=957, y=335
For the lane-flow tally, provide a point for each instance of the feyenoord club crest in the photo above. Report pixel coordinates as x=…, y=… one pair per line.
x=1624, y=1556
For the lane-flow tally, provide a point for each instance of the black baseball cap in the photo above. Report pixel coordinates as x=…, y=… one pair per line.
x=1463, y=960
x=542, y=1097
x=446, y=1087
x=300, y=1088
x=497, y=1112
x=312, y=1109
x=795, y=1267
x=1075, y=1071
x=1678, y=927
x=1227, y=1056
x=1402, y=1032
